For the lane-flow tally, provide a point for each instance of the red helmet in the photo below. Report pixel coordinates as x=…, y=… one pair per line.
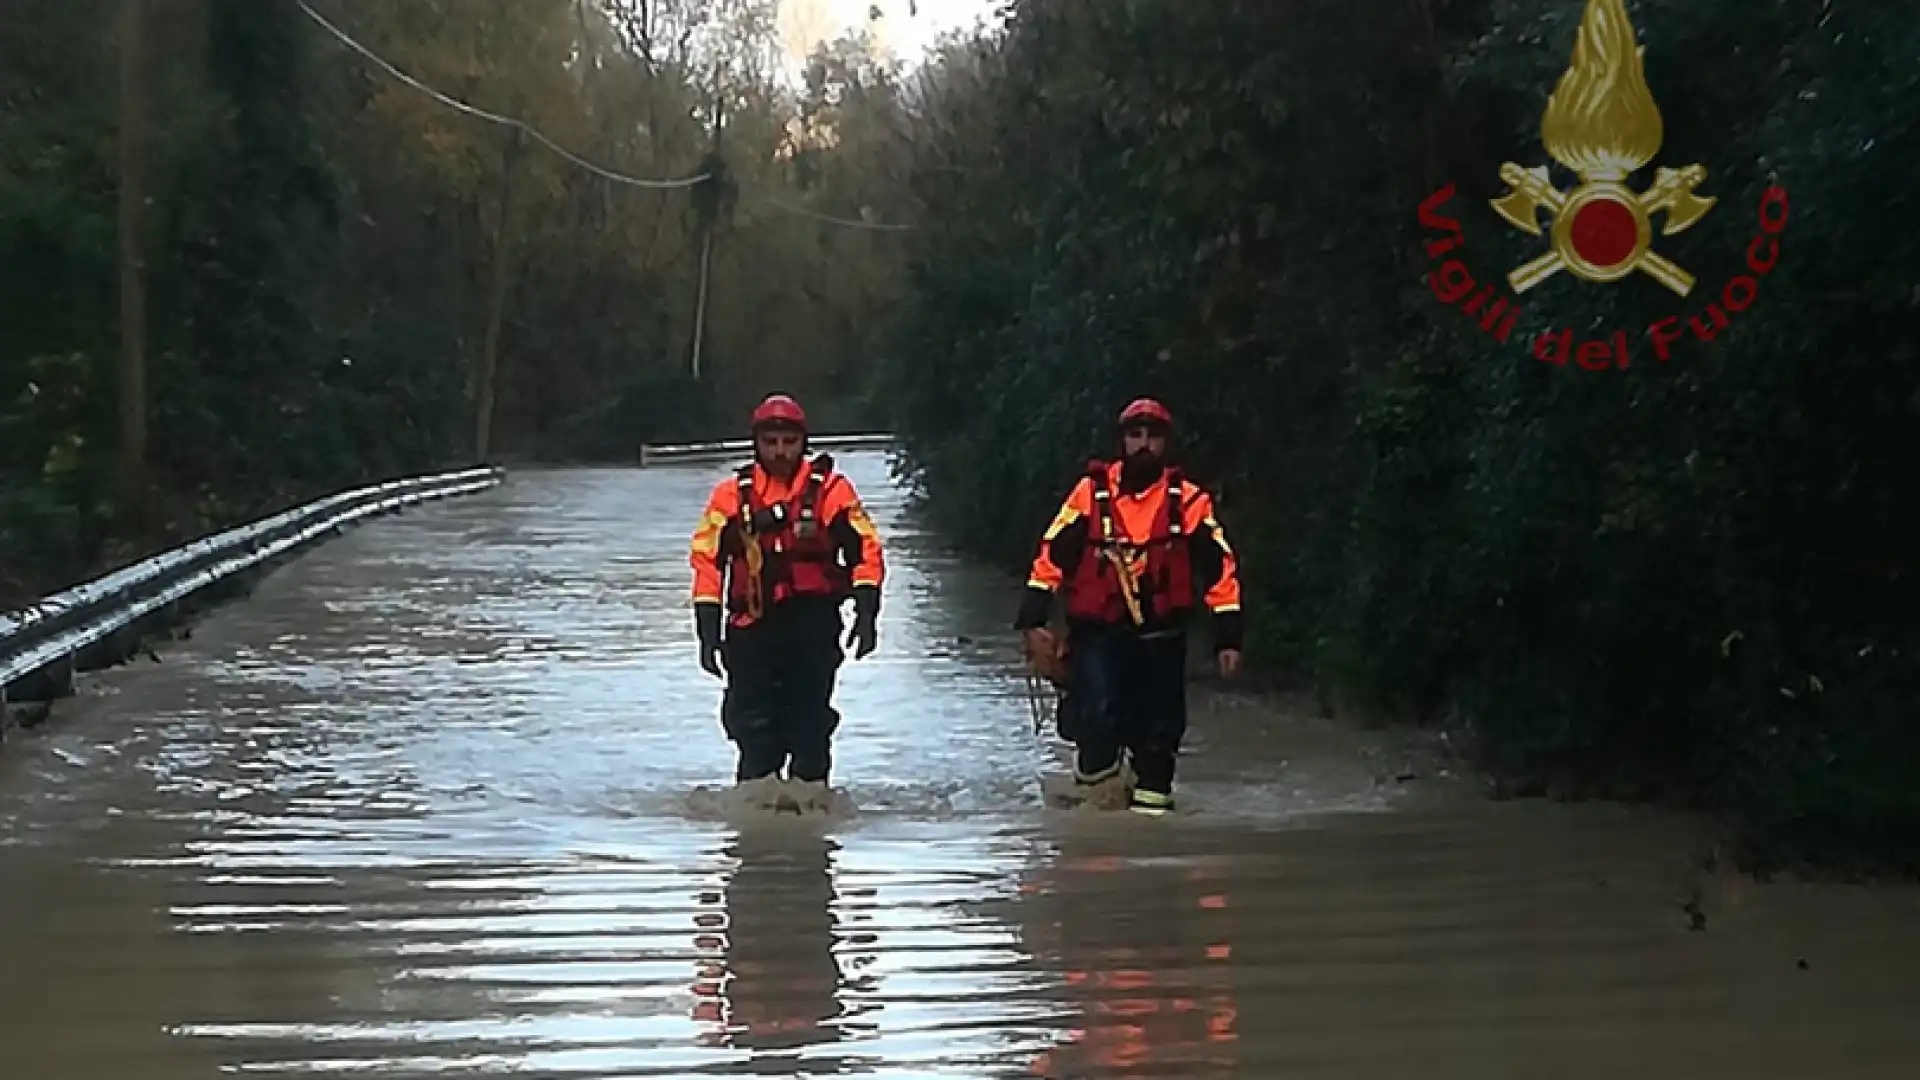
x=1146, y=411
x=779, y=409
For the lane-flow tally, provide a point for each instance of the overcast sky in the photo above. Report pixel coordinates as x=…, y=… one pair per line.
x=810, y=21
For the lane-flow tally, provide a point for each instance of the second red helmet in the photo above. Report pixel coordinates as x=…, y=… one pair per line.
x=779, y=409
x=1146, y=411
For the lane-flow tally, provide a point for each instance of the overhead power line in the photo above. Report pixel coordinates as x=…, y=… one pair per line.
x=494, y=118
x=456, y=104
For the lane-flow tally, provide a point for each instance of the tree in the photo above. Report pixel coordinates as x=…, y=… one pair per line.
x=1676, y=581
x=133, y=298
x=340, y=267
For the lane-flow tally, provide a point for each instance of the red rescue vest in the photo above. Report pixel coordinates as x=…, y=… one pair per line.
x=798, y=556
x=1164, y=586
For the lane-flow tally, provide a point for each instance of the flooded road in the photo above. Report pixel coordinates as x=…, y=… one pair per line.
x=441, y=799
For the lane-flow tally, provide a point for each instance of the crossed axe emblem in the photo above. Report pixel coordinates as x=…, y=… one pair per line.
x=1602, y=230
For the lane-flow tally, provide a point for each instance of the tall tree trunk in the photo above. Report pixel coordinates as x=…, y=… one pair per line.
x=496, y=304
x=133, y=300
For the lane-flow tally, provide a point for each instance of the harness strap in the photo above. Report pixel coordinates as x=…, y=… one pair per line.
x=810, y=496
x=1109, y=548
x=750, y=546
x=1102, y=502
x=806, y=525
x=744, y=478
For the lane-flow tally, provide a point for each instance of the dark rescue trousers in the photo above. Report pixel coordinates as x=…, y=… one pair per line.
x=778, y=706
x=1129, y=692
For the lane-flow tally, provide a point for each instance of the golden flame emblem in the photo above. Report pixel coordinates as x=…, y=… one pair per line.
x=1601, y=122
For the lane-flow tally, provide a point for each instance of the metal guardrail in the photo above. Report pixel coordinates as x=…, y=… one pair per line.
x=51, y=636
x=741, y=448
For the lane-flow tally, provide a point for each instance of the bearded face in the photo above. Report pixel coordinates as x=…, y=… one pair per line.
x=779, y=450
x=1143, y=452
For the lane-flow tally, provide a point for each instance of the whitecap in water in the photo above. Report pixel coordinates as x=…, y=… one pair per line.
x=770, y=797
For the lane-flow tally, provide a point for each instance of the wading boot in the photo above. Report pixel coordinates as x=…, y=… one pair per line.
x=1150, y=803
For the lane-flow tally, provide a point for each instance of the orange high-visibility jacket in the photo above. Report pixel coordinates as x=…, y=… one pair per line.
x=1064, y=547
x=841, y=550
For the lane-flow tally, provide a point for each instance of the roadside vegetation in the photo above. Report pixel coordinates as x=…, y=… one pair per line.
x=1691, y=580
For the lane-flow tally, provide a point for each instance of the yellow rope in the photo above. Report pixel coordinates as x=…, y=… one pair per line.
x=755, y=560
x=1129, y=585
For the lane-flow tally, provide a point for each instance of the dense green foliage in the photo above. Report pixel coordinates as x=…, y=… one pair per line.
x=330, y=255
x=1683, y=580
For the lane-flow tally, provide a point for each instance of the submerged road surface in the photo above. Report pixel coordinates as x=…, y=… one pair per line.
x=443, y=799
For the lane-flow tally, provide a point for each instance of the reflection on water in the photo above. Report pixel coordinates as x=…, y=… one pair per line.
x=1151, y=978
x=769, y=979
x=430, y=803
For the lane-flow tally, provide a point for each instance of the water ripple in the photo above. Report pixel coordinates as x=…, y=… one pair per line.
x=445, y=798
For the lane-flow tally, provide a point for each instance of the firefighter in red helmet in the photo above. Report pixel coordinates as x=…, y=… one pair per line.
x=1135, y=550
x=783, y=543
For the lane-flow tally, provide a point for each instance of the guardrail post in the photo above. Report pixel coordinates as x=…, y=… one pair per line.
x=109, y=651
x=51, y=683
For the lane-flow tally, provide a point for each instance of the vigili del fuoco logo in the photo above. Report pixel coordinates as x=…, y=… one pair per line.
x=1601, y=123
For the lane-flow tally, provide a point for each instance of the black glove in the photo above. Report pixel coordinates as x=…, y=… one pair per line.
x=706, y=620
x=1035, y=608
x=866, y=615
x=1229, y=630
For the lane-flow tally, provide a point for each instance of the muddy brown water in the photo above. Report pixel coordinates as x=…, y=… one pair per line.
x=444, y=798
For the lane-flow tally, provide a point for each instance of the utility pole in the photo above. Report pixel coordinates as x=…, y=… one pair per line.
x=700, y=304
x=496, y=304
x=710, y=207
